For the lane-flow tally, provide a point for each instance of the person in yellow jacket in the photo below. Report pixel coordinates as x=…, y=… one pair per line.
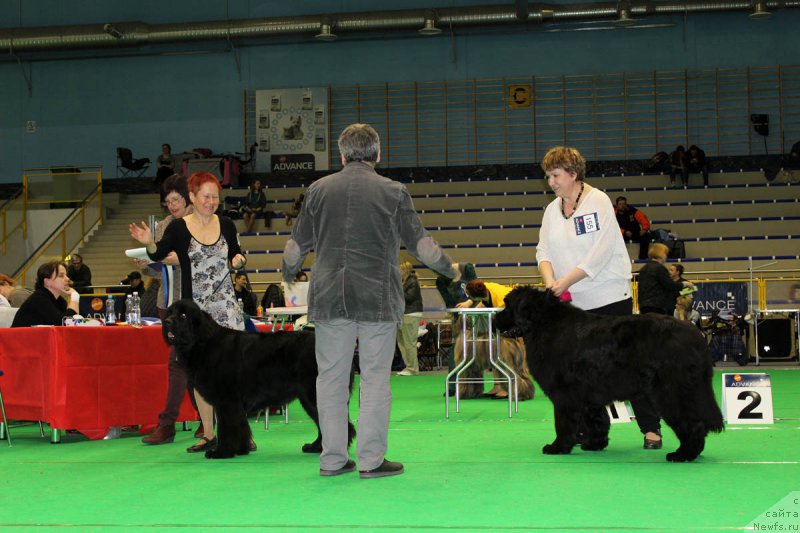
x=485, y=294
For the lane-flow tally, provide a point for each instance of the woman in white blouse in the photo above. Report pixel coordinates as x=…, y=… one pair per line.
x=581, y=250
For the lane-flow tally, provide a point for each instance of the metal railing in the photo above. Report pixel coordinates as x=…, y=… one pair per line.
x=81, y=189
x=14, y=220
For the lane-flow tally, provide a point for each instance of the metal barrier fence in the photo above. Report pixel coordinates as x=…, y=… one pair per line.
x=69, y=187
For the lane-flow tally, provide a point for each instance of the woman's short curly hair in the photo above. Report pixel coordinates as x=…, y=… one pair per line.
x=567, y=158
x=476, y=289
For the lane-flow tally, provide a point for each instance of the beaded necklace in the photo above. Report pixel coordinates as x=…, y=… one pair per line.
x=575, y=208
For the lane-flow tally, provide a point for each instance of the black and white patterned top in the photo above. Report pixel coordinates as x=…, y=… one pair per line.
x=212, y=287
x=204, y=269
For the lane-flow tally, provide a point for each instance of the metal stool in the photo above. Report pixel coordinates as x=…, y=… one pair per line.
x=279, y=316
x=4, y=430
x=473, y=314
x=284, y=410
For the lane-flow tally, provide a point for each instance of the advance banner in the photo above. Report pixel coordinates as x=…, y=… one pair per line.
x=727, y=297
x=292, y=130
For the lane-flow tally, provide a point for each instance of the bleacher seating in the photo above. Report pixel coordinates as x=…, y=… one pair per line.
x=494, y=223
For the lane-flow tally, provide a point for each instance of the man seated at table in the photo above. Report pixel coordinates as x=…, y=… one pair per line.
x=51, y=302
x=134, y=283
x=243, y=294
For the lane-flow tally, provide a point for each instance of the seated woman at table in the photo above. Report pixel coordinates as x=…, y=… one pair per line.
x=51, y=302
x=206, y=244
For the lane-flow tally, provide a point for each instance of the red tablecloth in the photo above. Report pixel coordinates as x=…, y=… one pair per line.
x=86, y=378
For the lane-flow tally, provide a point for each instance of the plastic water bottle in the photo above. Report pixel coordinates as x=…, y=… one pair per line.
x=137, y=309
x=241, y=305
x=129, y=309
x=111, y=312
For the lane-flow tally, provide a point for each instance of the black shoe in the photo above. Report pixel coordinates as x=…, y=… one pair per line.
x=653, y=444
x=349, y=466
x=207, y=444
x=387, y=468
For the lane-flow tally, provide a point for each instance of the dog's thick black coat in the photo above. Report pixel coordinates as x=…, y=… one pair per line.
x=237, y=371
x=583, y=361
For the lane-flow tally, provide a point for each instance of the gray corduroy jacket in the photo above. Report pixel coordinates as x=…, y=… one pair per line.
x=355, y=221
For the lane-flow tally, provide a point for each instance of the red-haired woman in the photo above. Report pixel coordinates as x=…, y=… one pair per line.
x=204, y=243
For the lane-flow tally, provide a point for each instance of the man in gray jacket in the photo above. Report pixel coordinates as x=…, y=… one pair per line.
x=355, y=220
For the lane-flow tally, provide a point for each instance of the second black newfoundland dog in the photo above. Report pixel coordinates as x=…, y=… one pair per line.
x=238, y=371
x=583, y=361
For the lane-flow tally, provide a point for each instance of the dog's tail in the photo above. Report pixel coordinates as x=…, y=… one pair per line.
x=708, y=409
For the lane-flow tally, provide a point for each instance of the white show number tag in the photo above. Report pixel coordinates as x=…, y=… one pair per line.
x=618, y=413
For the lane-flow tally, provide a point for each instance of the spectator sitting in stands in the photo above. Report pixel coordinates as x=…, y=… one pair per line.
x=165, y=164
x=696, y=163
x=680, y=163
x=52, y=301
x=294, y=211
x=79, y=274
x=254, y=204
x=240, y=287
x=134, y=282
x=633, y=224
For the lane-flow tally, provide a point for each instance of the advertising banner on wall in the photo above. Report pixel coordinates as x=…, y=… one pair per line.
x=721, y=298
x=292, y=129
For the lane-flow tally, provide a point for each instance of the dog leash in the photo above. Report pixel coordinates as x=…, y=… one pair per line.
x=216, y=287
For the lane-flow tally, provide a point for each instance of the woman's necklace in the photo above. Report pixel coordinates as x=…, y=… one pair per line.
x=575, y=207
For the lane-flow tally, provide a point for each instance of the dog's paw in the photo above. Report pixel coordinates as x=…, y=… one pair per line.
x=552, y=449
x=312, y=447
x=594, y=446
x=675, y=457
x=219, y=454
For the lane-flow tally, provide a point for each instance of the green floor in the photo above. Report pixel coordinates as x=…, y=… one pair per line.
x=479, y=471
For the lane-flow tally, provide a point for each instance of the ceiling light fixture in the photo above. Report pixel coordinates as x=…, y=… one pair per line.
x=112, y=31
x=325, y=31
x=760, y=11
x=624, y=17
x=429, y=27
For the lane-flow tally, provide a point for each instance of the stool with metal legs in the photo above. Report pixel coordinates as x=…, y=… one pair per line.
x=283, y=408
x=279, y=316
x=4, y=431
x=473, y=315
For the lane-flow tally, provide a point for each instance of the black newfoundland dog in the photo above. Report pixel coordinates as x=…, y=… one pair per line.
x=583, y=361
x=237, y=371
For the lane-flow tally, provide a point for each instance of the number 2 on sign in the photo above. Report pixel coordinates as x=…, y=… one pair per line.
x=749, y=409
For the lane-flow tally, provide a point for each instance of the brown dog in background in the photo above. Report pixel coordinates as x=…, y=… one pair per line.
x=512, y=353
